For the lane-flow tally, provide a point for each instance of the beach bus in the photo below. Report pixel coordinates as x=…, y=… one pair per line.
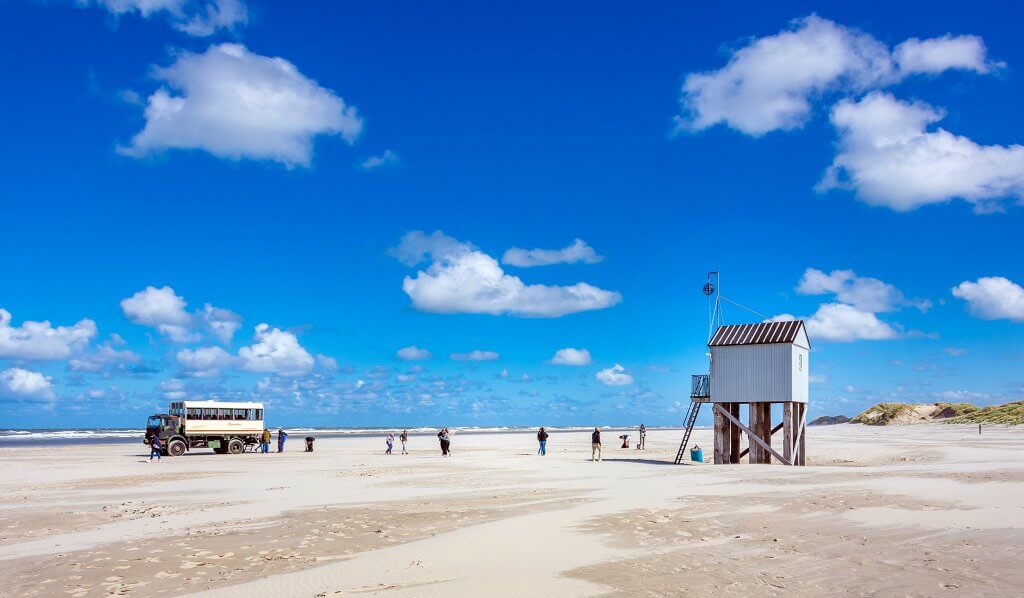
x=227, y=428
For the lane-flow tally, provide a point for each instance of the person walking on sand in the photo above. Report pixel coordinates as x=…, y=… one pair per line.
x=391, y=443
x=642, y=445
x=542, y=439
x=266, y=440
x=404, y=438
x=445, y=440
x=595, y=445
x=155, y=448
x=281, y=437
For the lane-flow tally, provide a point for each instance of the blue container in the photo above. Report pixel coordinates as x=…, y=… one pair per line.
x=697, y=455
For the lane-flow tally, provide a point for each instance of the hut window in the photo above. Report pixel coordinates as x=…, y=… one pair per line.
x=800, y=362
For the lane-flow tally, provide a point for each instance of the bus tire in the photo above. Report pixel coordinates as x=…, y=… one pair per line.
x=176, y=448
x=235, y=446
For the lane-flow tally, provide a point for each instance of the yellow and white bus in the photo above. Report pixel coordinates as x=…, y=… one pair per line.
x=227, y=428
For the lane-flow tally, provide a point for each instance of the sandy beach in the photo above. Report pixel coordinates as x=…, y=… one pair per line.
x=899, y=511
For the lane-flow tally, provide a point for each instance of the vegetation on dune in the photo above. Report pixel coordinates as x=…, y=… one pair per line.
x=884, y=414
x=1010, y=413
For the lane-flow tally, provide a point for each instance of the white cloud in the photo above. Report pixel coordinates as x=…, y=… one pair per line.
x=221, y=322
x=476, y=355
x=578, y=251
x=386, y=158
x=839, y=322
x=194, y=17
x=866, y=294
x=938, y=54
x=164, y=310
x=22, y=384
x=106, y=356
x=161, y=309
x=889, y=158
x=992, y=298
x=413, y=353
x=571, y=356
x=236, y=104
x=329, y=364
x=205, y=362
x=173, y=389
x=615, y=376
x=276, y=351
x=40, y=340
x=462, y=279
x=769, y=84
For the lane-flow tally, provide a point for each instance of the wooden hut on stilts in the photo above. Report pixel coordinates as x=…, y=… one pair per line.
x=753, y=368
x=759, y=366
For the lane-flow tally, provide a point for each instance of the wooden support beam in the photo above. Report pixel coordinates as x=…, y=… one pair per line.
x=800, y=412
x=719, y=433
x=734, y=435
x=787, y=436
x=761, y=443
x=744, y=452
x=802, y=435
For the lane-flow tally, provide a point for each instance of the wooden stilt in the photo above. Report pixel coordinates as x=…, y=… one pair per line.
x=754, y=423
x=801, y=456
x=720, y=439
x=734, y=434
x=787, y=430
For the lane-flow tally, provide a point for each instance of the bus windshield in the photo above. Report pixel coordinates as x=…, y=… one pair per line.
x=155, y=422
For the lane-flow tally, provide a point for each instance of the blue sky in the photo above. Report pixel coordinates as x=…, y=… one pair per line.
x=269, y=159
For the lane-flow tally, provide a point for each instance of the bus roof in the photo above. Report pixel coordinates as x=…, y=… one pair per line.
x=220, y=405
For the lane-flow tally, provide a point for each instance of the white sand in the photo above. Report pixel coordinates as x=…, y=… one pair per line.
x=495, y=519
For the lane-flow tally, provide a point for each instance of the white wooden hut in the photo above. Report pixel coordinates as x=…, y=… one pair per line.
x=759, y=365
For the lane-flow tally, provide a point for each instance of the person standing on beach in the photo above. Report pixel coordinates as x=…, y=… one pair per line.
x=642, y=445
x=445, y=440
x=155, y=448
x=595, y=445
x=266, y=440
x=542, y=439
x=391, y=443
x=404, y=438
x=281, y=437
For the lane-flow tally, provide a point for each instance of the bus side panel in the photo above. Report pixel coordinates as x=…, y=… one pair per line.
x=215, y=427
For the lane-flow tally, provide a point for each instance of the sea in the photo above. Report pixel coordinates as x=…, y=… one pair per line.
x=77, y=436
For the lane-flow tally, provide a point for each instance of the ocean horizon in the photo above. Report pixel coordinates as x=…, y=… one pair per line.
x=69, y=436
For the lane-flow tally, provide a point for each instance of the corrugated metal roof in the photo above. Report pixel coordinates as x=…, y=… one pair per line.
x=765, y=333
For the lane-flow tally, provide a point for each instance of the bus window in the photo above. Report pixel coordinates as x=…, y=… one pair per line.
x=259, y=414
x=209, y=413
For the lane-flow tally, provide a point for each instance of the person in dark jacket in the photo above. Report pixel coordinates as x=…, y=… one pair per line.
x=156, y=446
x=281, y=437
x=542, y=439
x=595, y=445
x=446, y=442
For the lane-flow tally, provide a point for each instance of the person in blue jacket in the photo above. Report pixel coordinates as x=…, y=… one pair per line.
x=281, y=437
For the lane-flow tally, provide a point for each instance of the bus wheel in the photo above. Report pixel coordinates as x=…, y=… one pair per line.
x=176, y=448
x=235, y=446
